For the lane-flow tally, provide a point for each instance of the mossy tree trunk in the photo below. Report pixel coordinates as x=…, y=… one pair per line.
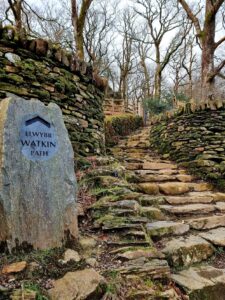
x=17, y=10
x=78, y=21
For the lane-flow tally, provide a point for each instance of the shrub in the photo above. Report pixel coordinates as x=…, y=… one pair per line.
x=120, y=125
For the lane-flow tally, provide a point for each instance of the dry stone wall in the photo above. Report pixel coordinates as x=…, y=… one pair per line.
x=196, y=140
x=51, y=75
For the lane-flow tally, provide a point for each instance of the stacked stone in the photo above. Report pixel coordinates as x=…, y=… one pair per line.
x=51, y=76
x=195, y=140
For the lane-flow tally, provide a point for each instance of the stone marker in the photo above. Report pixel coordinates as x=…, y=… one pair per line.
x=37, y=180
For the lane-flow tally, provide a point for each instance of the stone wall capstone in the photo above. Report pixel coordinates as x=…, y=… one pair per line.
x=57, y=78
x=195, y=140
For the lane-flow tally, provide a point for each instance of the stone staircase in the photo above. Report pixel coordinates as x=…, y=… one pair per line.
x=162, y=222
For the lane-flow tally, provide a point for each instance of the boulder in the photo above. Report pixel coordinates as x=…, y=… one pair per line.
x=37, y=181
x=186, y=251
x=79, y=285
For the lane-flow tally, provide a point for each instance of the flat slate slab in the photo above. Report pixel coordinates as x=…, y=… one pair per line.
x=137, y=253
x=175, y=200
x=188, y=209
x=162, y=228
x=207, y=222
x=186, y=251
x=215, y=236
x=158, y=166
x=156, y=178
x=202, y=283
x=153, y=269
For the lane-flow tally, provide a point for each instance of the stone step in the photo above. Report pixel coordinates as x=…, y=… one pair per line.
x=138, y=150
x=133, y=166
x=148, y=200
x=156, y=178
x=183, y=251
x=164, y=228
x=174, y=188
x=215, y=236
x=204, y=282
x=134, y=234
x=220, y=206
x=146, y=252
x=134, y=160
x=149, y=188
x=121, y=212
x=165, y=172
x=207, y=222
x=184, y=178
x=188, y=209
x=200, y=187
x=128, y=243
x=142, y=267
x=152, y=213
x=190, y=198
x=219, y=197
x=158, y=166
x=110, y=222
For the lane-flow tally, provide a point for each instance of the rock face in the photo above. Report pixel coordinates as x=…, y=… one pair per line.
x=37, y=181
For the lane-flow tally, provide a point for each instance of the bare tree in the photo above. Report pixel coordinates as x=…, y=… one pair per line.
x=182, y=67
x=206, y=37
x=78, y=21
x=53, y=22
x=99, y=35
x=143, y=48
x=162, y=17
x=125, y=56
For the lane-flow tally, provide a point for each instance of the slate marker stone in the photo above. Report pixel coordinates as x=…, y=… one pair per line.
x=37, y=180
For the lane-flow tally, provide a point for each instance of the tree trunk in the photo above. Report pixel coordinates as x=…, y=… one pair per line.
x=79, y=39
x=208, y=49
x=207, y=64
x=16, y=8
x=78, y=22
x=158, y=83
x=158, y=75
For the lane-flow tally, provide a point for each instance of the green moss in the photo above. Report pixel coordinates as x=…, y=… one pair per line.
x=14, y=89
x=41, y=93
x=27, y=65
x=14, y=78
x=111, y=220
x=120, y=125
